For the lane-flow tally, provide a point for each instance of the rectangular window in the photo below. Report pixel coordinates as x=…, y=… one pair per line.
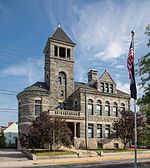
x=56, y=50
x=99, y=130
x=68, y=53
x=99, y=110
x=111, y=88
x=107, y=132
x=107, y=110
x=102, y=86
x=62, y=52
x=115, y=111
x=90, y=109
x=38, y=107
x=90, y=131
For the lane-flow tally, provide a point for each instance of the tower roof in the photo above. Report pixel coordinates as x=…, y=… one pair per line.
x=60, y=35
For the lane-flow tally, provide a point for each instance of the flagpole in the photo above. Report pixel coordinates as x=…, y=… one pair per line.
x=135, y=119
x=135, y=140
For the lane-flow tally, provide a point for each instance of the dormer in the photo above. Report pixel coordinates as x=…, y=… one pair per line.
x=106, y=84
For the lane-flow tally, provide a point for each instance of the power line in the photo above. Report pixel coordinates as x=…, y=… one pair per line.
x=16, y=48
x=8, y=91
x=7, y=109
x=9, y=94
x=17, y=54
x=9, y=112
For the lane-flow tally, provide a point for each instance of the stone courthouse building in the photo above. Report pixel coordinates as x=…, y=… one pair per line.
x=89, y=108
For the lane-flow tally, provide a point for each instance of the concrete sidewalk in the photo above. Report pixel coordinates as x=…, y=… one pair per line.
x=106, y=157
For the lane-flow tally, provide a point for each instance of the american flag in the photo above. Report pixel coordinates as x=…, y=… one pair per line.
x=130, y=60
x=130, y=65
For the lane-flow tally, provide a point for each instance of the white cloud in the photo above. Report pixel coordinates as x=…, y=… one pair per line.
x=119, y=66
x=103, y=28
x=123, y=86
x=32, y=70
x=112, y=51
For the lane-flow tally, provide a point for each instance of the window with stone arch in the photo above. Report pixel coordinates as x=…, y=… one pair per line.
x=107, y=108
x=115, y=109
x=62, y=80
x=90, y=107
x=122, y=107
x=99, y=108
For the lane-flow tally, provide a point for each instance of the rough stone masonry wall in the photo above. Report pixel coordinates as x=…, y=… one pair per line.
x=104, y=119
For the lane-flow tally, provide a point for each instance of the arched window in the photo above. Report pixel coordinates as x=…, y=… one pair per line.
x=62, y=78
x=106, y=87
x=115, y=109
x=122, y=107
x=102, y=86
x=107, y=108
x=99, y=108
x=90, y=107
x=111, y=88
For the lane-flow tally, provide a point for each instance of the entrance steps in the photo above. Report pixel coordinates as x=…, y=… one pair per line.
x=81, y=153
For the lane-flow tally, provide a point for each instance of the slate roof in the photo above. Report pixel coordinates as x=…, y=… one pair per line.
x=80, y=84
x=121, y=92
x=60, y=35
x=38, y=86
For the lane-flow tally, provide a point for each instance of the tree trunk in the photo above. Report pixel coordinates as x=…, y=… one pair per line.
x=124, y=146
x=51, y=146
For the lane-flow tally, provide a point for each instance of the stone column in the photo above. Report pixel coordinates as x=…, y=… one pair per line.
x=66, y=53
x=75, y=130
x=58, y=51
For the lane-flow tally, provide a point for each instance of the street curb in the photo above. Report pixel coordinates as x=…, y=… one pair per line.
x=88, y=160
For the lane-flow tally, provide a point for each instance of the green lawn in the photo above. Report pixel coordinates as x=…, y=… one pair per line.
x=44, y=152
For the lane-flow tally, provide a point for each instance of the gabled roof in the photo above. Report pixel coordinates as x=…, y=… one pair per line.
x=60, y=35
x=106, y=77
x=12, y=128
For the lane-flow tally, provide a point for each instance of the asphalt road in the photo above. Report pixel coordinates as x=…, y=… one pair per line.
x=108, y=164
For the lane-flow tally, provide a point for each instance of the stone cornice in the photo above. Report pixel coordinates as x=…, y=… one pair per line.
x=61, y=42
x=62, y=59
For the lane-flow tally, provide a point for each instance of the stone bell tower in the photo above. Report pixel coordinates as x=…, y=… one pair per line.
x=59, y=65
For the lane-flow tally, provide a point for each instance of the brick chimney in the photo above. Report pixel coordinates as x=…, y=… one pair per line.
x=92, y=75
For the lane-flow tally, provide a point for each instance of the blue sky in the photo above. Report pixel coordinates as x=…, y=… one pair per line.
x=100, y=28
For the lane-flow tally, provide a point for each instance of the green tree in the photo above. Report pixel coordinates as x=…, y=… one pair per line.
x=124, y=127
x=47, y=130
x=2, y=139
x=144, y=73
